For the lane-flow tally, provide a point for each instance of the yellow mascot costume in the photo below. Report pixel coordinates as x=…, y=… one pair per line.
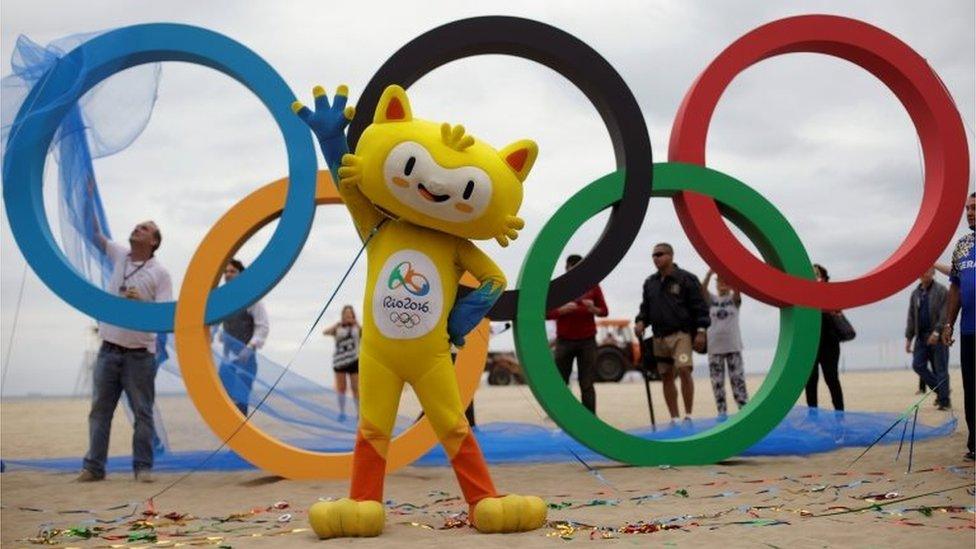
x=418, y=192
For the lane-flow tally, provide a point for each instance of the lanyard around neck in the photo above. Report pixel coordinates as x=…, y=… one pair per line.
x=126, y=277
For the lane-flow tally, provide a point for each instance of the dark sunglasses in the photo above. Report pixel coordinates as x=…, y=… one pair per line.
x=659, y=254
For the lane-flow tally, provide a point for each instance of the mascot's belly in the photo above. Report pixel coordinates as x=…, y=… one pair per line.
x=409, y=292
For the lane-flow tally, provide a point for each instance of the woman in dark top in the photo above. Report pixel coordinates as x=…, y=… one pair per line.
x=828, y=355
x=345, y=359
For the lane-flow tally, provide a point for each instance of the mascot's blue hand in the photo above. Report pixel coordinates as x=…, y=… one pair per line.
x=328, y=123
x=470, y=309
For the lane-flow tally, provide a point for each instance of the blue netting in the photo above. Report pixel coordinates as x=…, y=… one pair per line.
x=803, y=432
x=299, y=410
x=106, y=120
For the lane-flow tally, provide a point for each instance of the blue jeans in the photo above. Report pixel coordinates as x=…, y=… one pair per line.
x=938, y=377
x=115, y=371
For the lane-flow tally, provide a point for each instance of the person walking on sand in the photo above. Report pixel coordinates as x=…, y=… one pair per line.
x=926, y=316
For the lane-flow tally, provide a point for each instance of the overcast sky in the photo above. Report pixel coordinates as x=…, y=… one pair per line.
x=824, y=141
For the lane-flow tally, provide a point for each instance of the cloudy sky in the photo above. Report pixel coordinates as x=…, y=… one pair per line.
x=824, y=141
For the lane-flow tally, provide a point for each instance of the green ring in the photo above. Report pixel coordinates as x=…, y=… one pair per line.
x=795, y=352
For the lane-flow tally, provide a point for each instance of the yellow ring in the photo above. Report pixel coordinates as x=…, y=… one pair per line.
x=200, y=375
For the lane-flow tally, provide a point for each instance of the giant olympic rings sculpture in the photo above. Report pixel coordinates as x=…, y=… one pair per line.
x=701, y=195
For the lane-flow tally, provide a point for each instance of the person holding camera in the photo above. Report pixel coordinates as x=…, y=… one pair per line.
x=576, y=337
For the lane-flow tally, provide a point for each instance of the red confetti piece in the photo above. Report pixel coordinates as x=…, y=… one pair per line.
x=150, y=508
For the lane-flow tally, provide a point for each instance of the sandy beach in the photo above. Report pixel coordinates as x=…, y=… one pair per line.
x=744, y=502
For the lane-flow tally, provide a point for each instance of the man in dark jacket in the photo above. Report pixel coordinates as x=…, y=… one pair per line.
x=673, y=306
x=926, y=316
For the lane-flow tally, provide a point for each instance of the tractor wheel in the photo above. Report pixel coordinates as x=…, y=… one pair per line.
x=611, y=363
x=500, y=376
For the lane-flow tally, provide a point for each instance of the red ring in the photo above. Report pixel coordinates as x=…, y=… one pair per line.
x=931, y=109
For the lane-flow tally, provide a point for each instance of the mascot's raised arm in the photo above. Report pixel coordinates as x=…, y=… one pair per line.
x=418, y=193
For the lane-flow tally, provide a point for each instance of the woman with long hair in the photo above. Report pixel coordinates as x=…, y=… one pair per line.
x=828, y=355
x=345, y=359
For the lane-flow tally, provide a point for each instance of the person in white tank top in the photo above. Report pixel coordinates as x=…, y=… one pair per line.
x=345, y=359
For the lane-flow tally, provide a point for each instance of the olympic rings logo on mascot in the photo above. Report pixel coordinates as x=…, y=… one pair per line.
x=406, y=320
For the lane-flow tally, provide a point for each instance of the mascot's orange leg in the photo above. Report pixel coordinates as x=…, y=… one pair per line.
x=438, y=393
x=362, y=514
x=379, y=390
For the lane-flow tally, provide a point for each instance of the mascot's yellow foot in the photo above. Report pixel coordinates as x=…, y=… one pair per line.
x=347, y=518
x=511, y=513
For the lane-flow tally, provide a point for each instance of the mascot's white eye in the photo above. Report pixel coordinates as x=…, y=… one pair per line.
x=408, y=160
x=473, y=186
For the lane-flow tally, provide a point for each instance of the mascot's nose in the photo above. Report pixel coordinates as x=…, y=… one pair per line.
x=436, y=187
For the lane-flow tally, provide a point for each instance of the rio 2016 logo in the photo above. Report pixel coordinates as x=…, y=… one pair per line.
x=407, y=297
x=412, y=281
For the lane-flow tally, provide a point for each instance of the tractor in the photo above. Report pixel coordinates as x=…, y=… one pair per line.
x=618, y=350
x=504, y=369
x=503, y=366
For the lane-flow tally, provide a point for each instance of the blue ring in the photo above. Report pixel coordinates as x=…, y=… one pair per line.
x=77, y=72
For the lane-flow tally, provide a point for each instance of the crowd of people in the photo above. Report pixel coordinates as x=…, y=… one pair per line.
x=681, y=313
x=684, y=316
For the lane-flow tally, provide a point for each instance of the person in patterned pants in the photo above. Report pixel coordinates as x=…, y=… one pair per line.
x=725, y=343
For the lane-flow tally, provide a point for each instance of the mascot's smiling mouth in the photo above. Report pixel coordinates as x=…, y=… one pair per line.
x=431, y=196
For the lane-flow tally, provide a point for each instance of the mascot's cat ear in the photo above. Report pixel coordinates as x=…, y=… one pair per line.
x=520, y=156
x=393, y=106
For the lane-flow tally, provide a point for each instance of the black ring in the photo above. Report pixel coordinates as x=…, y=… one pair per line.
x=587, y=70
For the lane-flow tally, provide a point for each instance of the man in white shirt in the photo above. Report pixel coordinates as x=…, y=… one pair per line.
x=243, y=333
x=126, y=360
